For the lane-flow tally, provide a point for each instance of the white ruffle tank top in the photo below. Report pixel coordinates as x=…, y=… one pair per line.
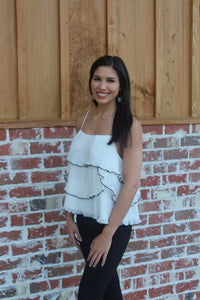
x=94, y=179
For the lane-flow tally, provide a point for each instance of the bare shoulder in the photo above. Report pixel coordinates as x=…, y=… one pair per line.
x=79, y=120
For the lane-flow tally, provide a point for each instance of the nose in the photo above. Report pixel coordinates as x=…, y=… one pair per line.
x=102, y=85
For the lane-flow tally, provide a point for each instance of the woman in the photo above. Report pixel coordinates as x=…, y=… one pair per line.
x=103, y=178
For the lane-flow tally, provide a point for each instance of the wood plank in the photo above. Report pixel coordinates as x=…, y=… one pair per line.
x=172, y=58
x=87, y=32
x=195, y=60
x=133, y=39
x=8, y=61
x=39, y=59
x=64, y=59
x=23, y=95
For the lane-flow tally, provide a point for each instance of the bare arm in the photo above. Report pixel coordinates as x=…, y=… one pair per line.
x=132, y=162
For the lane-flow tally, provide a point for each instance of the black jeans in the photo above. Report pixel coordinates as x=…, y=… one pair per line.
x=101, y=282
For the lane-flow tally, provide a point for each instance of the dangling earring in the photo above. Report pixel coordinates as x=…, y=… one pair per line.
x=119, y=99
x=92, y=97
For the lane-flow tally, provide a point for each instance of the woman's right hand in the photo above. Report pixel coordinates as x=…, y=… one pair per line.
x=73, y=231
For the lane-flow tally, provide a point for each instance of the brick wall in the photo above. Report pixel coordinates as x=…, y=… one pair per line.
x=162, y=260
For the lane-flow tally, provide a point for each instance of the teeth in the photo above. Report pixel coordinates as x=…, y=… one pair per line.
x=102, y=95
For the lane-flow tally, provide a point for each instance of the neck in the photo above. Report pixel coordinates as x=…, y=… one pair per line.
x=104, y=111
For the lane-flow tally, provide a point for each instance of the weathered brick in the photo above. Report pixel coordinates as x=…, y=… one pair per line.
x=137, y=295
x=45, y=148
x=71, y=281
x=160, y=266
x=175, y=154
x=163, y=290
x=25, y=192
x=55, y=162
x=187, y=214
x=142, y=257
x=14, y=149
x=190, y=141
x=149, y=231
x=186, y=263
x=2, y=134
x=8, y=236
x=172, y=252
x=13, y=179
x=25, y=134
x=38, y=177
x=35, y=233
x=162, y=242
x=133, y=271
x=26, y=248
x=3, y=164
x=180, y=129
x=59, y=270
x=186, y=286
x=24, y=275
x=58, y=132
x=150, y=181
x=27, y=163
x=58, y=188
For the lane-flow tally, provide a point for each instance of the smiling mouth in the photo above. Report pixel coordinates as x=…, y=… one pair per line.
x=102, y=95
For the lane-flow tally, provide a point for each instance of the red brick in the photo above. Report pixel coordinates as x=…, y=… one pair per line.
x=67, y=146
x=26, y=248
x=161, y=266
x=159, y=218
x=195, y=153
x=33, y=218
x=52, y=244
x=150, y=181
x=10, y=264
x=133, y=271
x=149, y=231
x=194, y=226
x=126, y=284
x=171, y=129
x=17, y=220
x=35, y=233
x=152, y=156
x=164, y=290
x=162, y=242
x=172, y=252
x=174, y=228
x=183, y=190
x=194, y=177
x=186, y=239
x=152, y=129
x=3, y=250
x=186, y=263
x=160, y=168
x=26, y=275
x=3, y=194
x=55, y=161
x=150, y=206
x=190, y=274
x=58, y=132
x=18, y=207
x=55, y=216
x=166, y=142
x=145, y=194
x=25, y=134
x=27, y=163
x=136, y=245
x=186, y=286
x=3, y=164
x=4, y=208
x=177, y=178
x=175, y=154
x=71, y=281
x=141, y=257
x=193, y=249
x=59, y=271
x=2, y=134
x=9, y=236
x=45, y=148
x=3, y=221
x=25, y=192
x=58, y=188
x=190, y=141
x=137, y=295
x=195, y=165
x=14, y=149
x=15, y=179
x=38, y=177
x=187, y=214
x=75, y=255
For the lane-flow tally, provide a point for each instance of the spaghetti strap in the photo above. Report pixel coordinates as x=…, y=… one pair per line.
x=84, y=119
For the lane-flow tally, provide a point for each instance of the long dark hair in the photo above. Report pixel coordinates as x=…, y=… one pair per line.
x=123, y=117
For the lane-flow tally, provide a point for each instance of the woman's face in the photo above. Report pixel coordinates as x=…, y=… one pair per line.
x=105, y=85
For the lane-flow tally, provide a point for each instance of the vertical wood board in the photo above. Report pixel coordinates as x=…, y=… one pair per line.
x=131, y=36
x=8, y=61
x=195, y=60
x=87, y=33
x=172, y=58
x=38, y=56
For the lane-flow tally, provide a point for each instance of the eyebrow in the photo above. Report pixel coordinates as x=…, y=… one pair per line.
x=95, y=75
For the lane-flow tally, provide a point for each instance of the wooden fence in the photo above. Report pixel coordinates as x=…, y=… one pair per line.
x=47, y=47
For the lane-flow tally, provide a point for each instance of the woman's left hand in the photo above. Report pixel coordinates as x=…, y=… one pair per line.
x=99, y=249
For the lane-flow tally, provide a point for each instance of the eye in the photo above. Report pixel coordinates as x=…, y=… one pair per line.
x=96, y=78
x=111, y=80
